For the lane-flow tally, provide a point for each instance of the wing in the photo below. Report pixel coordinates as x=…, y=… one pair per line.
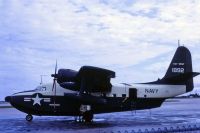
x=94, y=79
x=88, y=79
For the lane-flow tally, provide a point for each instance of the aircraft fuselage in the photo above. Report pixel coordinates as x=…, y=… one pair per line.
x=43, y=101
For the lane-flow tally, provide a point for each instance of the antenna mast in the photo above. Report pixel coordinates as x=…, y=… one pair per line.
x=41, y=82
x=178, y=43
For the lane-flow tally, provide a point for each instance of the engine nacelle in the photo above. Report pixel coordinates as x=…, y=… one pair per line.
x=66, y=75
x=69, y=85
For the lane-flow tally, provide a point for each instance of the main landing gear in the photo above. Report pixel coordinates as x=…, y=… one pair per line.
x=87, y=116
x=29, y=117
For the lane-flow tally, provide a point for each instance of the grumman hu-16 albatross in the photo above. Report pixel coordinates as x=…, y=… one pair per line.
x=89, y=91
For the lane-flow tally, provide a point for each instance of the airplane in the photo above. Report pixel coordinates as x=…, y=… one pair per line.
x=89, y=91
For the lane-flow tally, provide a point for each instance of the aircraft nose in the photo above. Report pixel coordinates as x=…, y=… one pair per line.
x=8, y=98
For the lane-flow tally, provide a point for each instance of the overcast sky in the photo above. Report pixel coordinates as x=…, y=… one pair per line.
x=136, y=39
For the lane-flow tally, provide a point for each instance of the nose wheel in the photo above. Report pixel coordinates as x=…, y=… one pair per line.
x=29, y=117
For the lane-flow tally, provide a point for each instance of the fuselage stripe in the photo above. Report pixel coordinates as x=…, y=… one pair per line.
x=54, y=104
x=26, y=100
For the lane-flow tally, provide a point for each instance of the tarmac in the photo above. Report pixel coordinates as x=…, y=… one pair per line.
x=172, y=114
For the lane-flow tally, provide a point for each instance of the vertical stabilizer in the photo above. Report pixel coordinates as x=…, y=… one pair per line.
x=180, y=69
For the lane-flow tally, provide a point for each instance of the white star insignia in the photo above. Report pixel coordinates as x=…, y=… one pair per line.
x=37, y=100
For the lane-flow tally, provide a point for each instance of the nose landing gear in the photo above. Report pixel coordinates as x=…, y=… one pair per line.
x=29, y=117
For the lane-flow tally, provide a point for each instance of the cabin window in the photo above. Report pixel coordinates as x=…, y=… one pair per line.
x=114, y=95
x=123, y=95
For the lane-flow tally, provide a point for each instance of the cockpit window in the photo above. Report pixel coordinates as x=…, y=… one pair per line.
x=41, y=88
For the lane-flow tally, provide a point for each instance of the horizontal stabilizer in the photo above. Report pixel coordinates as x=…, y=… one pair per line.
x=180, y=78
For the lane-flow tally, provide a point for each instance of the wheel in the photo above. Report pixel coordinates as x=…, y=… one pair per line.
x=88, y=116
x=29, y=117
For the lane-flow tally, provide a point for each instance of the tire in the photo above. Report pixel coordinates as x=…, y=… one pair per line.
x=29, y=118
x=88, y=116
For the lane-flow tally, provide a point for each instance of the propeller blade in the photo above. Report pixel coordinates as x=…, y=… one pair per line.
x=55, y=89
x=55, y=78
x=56, y=68
x=54, y=95
x=53, y=84
x=55, y=73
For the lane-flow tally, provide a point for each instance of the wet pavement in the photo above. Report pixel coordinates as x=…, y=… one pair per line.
x=174, y=112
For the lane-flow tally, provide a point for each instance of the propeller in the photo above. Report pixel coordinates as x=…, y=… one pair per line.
x=55, y=75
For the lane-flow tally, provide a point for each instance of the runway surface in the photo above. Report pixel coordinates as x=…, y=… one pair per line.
x=174, y=112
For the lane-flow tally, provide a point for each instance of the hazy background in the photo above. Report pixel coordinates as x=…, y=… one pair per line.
x=136, y=39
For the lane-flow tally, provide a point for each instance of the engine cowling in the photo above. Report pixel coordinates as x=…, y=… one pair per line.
x=88, y=79
x=66, y=75
x=69, y=85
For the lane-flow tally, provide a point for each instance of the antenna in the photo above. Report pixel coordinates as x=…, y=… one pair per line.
x=178, y=43
x=41, y=82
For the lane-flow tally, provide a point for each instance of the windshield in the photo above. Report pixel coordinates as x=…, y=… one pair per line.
x=41, y=88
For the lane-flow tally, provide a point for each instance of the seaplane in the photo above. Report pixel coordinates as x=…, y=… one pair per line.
x=89, y=91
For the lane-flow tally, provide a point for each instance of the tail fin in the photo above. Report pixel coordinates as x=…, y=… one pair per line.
x=180, y=69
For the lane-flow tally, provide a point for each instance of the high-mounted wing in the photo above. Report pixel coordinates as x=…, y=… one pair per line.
x=94, y=79
x=88, y=79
